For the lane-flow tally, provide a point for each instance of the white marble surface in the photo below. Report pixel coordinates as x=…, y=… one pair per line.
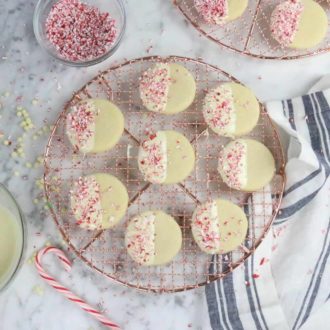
x=29, y=78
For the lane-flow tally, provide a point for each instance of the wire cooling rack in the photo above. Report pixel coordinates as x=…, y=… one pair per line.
x=104, y=250
x=250, y=34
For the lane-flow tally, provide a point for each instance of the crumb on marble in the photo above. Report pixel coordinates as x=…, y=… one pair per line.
x=38, y=290
x=32, y=258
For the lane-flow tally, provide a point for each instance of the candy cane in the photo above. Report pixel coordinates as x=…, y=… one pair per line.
x=67, y=293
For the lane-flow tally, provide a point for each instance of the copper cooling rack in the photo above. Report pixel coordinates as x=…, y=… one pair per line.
x=250, y=34
x=104, y=250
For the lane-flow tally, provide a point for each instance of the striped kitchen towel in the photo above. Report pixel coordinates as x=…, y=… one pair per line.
x=286, y=283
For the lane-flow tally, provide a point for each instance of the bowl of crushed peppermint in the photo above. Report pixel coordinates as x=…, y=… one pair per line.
x=79, y=32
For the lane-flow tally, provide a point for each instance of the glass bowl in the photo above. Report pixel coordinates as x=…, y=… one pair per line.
x=11, y=265
x=116, y=10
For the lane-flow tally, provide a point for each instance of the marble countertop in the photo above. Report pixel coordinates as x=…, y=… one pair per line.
x=29, y=78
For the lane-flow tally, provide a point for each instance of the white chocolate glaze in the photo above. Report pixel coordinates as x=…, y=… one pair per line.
x=233, y=164
x=152, y=158
x=86, y=205
x=219, y=110
x=205, y=227
x=140, y=238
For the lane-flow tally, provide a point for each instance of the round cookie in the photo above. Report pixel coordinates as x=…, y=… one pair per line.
x=94, y=125
x=246, y=164
x=220, y=11
x=153, y=238
x=166, y=157
x=231, y=109
x=299, y=24
x=98, y=201
x=219, y=226
x=167, y=88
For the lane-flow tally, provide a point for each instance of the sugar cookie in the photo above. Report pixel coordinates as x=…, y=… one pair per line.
x=167, y=88
x=299, y=23
x=98, y=201
x=219, y=226
x=220, y=11
x=153, y=238
x=231, y=109
x=166, y=157
x=246, y=164
x=94, y=125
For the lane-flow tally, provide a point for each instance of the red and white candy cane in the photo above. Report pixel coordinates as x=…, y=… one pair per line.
x=67, y=293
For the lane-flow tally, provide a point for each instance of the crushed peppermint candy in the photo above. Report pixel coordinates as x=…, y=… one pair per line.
x=140, y=238
x=284, y=22
x=154, y=87
x=233, y=164
x=213, y=11
x=86, y=203
x=80, y=125
x=263, y=261
x=152, y=158
x=205, y=227
x=79, y=31
x=219, y=110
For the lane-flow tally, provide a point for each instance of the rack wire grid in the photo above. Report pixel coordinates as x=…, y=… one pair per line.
x=104, y=250
x=250, y=34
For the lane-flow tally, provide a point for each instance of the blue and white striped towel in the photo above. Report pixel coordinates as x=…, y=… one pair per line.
x=293, y=287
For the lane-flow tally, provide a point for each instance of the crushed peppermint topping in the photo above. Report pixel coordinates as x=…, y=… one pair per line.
x=79, y=31
x=205, y=227
x=233, y=164
x=213, y=11
x=140, y=238
x=80, y=125
x=284, y=21
x=86, y=203
x=219, y=110
x=154, y=87
x=152, y=158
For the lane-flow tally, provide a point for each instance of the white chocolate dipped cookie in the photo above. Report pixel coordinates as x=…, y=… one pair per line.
x=166, y=157
x=246, y=165
x=153, y=238
x=231, y=109
x=220, y=11
x=219, y=226
x=98, y=201
x=167, y=88
x=94, y=125
x=299, y=24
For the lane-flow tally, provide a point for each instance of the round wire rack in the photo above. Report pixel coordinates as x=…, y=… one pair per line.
x=250, y=34
x=104, y=250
